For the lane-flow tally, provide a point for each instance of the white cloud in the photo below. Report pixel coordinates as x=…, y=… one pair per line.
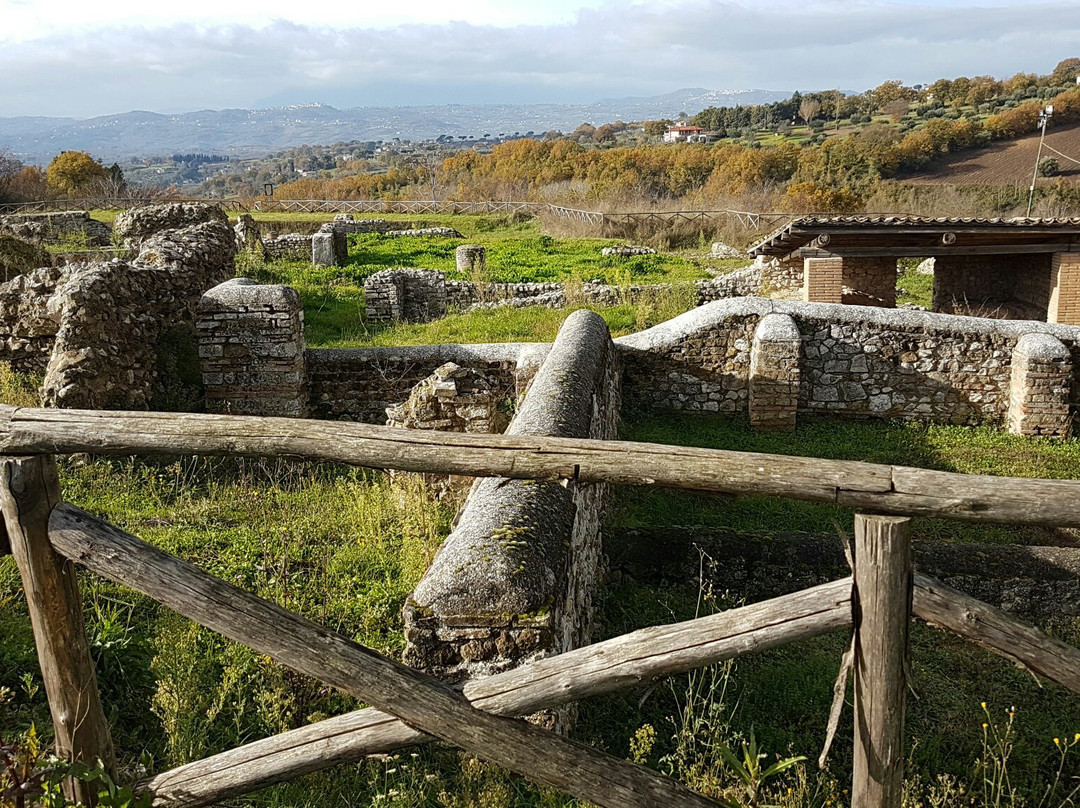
x=28, y=20
x=607, y=49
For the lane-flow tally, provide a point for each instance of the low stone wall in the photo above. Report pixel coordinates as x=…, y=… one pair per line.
x=422, y=295
x=515, y=578
x=51, y=228
x=287, y=246
x=358, y=384
x=858, y=362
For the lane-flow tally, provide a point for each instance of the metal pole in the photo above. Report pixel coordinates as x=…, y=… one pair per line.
x=1043, y=116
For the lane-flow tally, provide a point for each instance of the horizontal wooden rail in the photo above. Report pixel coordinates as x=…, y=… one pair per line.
x=863, y=486
x=420, y=700
x=948, y=608
x=634, y=658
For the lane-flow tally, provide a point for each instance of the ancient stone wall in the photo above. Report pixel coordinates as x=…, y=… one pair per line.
x=96, y=329
x=358, y=384
x=287, y=247
x=515, y=578
x=870, y=282
x=1001, y=286
x=420, y=295
x=138, y=224
x=51, y=228
x=854, y=361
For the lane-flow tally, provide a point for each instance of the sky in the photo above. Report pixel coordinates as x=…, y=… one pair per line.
x=81, y=59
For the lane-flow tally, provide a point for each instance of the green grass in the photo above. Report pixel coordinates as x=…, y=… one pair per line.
x=333, y=300
x=341, y=546
x=915, y=288
x=981, y=450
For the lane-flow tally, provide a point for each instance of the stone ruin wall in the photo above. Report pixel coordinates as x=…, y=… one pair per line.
x=94, y=328
x=359, y=384
x=858, y=362
x=515, y=578
x=422, y=295
x=57, y=227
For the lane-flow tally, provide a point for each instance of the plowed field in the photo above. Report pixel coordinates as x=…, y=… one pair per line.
x=1008, y=163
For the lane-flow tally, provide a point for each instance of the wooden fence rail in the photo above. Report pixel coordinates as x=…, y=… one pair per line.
x=748, y=219
x=863, y=486
x=877, y=603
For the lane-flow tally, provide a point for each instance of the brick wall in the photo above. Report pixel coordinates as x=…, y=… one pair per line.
x=1039, y=390
x=823, y=280
x=1064, y=306
x=774, y=373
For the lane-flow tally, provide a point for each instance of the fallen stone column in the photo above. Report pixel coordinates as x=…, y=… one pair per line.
x=515, y=579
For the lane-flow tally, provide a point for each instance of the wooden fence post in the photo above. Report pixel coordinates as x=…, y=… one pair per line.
x=29, y=490
x=882, y=604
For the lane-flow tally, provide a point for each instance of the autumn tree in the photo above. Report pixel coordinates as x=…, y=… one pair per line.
x=1066, y=72
x=808, y=109
x=72, y=173
x=896, y=109
x=9, y=167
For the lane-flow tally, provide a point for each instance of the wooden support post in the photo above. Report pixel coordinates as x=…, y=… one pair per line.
x=883, y=591
x=29, y=491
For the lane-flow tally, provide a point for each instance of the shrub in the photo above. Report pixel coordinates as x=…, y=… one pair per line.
x=1049, y=167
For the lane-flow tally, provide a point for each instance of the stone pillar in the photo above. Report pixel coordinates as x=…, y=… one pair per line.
x=774, y=373
x=823, y=280
x=251, y=343
x=383, y=294
x=330, y=247
x=1065, y=289
x=471, y=258
x=1039, y=387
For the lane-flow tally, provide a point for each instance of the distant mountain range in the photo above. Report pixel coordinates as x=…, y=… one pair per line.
x=253, y=133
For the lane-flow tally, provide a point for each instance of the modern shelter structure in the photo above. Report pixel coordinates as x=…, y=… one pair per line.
x=1006, y=268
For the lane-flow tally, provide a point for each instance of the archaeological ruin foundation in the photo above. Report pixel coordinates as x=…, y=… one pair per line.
x=515, y=578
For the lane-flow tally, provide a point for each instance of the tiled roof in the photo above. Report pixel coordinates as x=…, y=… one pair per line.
x=805, y=228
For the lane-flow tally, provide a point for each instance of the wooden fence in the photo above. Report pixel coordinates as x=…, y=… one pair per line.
x=48, y=538
x=652, y=219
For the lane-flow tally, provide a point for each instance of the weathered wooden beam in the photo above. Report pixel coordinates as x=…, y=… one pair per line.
x=863, y=486
x=308, y=648
x=631, y=659
x=883, y=580
x=997, y=631
x=29, y=491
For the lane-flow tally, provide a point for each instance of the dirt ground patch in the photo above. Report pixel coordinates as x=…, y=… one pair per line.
x=1009, y=163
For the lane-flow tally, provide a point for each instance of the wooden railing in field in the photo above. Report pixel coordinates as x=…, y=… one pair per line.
x=748, y=219
x=48, y=538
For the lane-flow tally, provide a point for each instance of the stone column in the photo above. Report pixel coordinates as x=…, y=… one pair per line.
x=251, y=343
x=330, y=247
x=823, y=280
x=1039, y=387
x=471, y=258
x=1065, y=289
x=774, y=373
